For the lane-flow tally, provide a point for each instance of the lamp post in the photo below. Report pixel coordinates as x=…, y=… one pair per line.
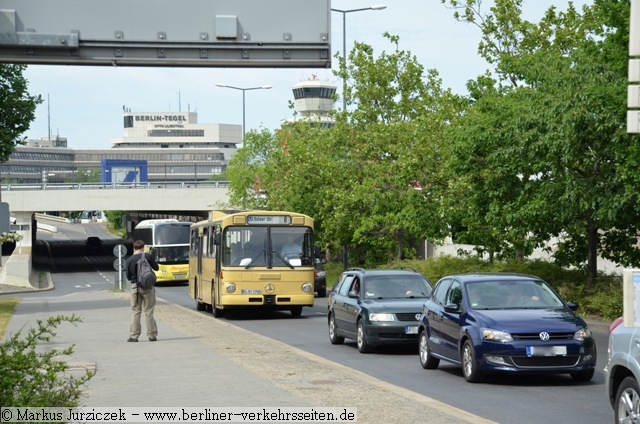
x=262, y=87
x=344, y=41
x=345, y=257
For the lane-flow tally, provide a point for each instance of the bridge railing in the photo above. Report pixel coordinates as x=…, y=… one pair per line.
x=113, y=186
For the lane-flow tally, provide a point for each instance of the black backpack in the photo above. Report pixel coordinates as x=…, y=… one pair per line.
x=145, y=277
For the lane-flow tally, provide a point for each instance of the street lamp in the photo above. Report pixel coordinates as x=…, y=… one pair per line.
x=344, y=80
x=344, y=41
x=262, y=87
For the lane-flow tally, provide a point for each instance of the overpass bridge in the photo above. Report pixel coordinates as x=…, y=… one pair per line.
x=25, y=200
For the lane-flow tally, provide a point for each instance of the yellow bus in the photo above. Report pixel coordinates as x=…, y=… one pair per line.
x=252, y=259
x=168, y=241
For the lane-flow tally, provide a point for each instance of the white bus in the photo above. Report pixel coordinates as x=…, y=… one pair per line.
x=168, y=241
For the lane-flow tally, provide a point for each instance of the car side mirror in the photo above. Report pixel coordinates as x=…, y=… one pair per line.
x=353, y=294
x=573, y=306
x=452, y=307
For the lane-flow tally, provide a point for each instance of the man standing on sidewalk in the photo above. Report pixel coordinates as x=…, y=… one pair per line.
x=141, y=299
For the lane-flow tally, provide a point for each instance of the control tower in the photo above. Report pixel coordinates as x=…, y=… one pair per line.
x=314, y=99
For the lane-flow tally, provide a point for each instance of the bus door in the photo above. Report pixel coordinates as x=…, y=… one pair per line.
x=218, y=252
x=195, y=263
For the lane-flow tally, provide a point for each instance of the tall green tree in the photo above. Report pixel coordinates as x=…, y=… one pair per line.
x=371, y=181
x=17, y=106
x=246, y=171
x=544, y=143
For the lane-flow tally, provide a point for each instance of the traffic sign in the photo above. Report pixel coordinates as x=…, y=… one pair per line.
x=120, y=250
x=118, y=264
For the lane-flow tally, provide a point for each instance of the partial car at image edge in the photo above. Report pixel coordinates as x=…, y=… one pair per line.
x=622, y=372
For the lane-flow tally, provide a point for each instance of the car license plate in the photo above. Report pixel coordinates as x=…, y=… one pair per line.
x=179, y=276
x=411, y=329
x=250, y=291
x=546, y=350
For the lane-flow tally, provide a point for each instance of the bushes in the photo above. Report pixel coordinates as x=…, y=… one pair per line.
x=32, y=377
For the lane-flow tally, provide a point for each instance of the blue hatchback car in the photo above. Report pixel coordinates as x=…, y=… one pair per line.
x=500, y=322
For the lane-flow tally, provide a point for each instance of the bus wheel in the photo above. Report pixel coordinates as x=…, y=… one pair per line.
x=296, y=311
x=199, y=305
x=217, y=313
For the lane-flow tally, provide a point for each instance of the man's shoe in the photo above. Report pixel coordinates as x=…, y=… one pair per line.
x=132, y=340
x=152, y=339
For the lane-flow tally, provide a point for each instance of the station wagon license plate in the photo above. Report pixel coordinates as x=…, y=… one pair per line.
x=546, y=350
x=411, y=329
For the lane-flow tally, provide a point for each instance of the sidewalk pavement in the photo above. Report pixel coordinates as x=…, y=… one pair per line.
x=199, y=361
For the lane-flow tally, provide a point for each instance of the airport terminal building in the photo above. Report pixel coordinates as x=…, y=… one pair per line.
x=174, y=145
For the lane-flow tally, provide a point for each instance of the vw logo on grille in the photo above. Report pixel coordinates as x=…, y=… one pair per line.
x=269, y=288
x=418, y=317
x=544, y=336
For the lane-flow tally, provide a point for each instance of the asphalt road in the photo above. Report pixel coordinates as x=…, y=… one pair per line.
x=504, y=399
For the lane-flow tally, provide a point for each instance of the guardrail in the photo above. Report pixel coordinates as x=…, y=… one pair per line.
x=94, y=186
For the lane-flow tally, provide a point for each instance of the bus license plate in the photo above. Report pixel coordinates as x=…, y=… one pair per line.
x=411, y=329
x=179, y=276
x=250, y=291
x=546, y=350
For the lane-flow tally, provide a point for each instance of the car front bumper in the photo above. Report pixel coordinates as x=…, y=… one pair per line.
x=396, y=332
x=535, y=357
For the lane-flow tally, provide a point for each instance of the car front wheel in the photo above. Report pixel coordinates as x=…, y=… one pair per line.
x=361, y=338
x=427, y=361
x=333, y=332
x=469, y=364
x=627, y=406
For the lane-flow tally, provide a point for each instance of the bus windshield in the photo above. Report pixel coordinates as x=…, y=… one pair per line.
x=267, y=246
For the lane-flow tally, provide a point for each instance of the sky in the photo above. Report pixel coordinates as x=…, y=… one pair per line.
x=85, y=104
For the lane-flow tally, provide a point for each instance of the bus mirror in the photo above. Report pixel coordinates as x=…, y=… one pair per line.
x=217, y=238
x=317, y=251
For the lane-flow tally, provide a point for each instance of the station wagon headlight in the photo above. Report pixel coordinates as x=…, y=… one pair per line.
x=231, y=288
x=492, y=335
x=381, y=317
x=582, y=334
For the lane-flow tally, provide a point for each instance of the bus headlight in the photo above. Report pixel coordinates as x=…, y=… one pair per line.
x=307, y=288
x=231, y=288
